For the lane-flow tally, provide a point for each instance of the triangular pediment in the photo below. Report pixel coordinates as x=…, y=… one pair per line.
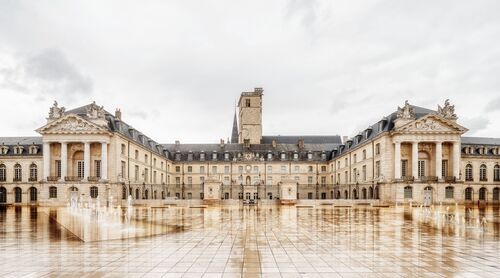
x=431, y=123
x=72, y=124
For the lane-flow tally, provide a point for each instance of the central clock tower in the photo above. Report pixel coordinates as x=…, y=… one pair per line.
x=250, y=117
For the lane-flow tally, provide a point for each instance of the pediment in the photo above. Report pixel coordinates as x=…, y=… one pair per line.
x=72, y=124
x=431, y=124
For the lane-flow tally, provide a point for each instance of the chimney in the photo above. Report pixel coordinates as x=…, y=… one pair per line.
x=258, y=90
x=273, y=144
x=344, y=139
x=222, y=143
x=301, y=143
x=177, y=142
x=118, y=114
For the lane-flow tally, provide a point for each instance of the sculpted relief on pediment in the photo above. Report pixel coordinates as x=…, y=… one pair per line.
x=431, y=124
x=71, y=124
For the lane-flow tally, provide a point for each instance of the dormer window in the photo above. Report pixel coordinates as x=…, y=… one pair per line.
x=269, y=155
x=309, y=156
x=202, y=156
x=323, y=156
x=214, y=155
x=18, y=149
x=5, y=149
x=178, y=156
x=226, y=156
x=283, y=156
x=33, y=150
x=295, y=156
x=190, y=156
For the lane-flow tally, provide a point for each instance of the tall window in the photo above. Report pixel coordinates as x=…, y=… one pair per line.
x=3, y=172
x=482, y=173
x=94, y=192
x=146, y=174
x=97, y=169
x=449, y=192
x=364, y=172
x=226, y=170
x=421, y=168
x=377, y=149
x=214, y=169
x=310, y=181
x=444, y=168
x=33, y=172
x=18, y=172
x=123, y=168
x=408, y=192
x=80, y=169
x=323, y=181
x=377, y=168
x=190, y=181
x=364, y=154
x=124, y=149
x=468, y=172
x=202, y=169
x=468, y=194
x=247, y=102
x=355, y=158
x=496, y=173
x=136, y=172
x=136, y=154
x=52, y=192
x=404, y=168
x=58, y=168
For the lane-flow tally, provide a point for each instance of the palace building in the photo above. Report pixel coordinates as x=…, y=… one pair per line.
x=414, y=155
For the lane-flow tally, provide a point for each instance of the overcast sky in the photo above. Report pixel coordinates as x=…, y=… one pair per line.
x=176, y=68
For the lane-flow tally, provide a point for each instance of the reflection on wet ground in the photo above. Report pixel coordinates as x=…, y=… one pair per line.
x=265, y=241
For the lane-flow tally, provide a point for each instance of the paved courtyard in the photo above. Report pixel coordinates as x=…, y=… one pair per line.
x=264, y=241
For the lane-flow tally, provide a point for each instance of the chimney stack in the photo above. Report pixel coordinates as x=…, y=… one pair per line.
x=222, y=143
x=301, y=143
x=118, y=114
x=273, y=144
x=177, y=142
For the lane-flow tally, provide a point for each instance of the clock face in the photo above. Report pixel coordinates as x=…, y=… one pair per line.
x=248, y=168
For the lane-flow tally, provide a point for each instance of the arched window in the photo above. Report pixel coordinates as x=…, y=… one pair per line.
x=18, y=172
x=3, y=172
x=145, y=194
x=33, y=172
x=482, y=173
x=449, y=192
x=33, y=194
x=3, y=195
x=137, y=194
x=190, y=195
x=346, y=194
x=18, y=195
x=53, y=192
x=468, y=173
x=482, y=194
x=496, y=173
x=154, y=195
x=375, y=193
x=408, y=192
x=364, y=193
x=163, y=195
x=94, y=192
x=468, y=194
x=496, y=194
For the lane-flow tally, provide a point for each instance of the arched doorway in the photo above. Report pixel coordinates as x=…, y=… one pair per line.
x=370, y=190
x=146, y=194
x=364, y=193
x=33, y=192
x=355, y=194
x=346, y=194
x=375, y=193
x=137, y=194
x=338, y=194
x=3, y=195
x=248, y=180
x=427, y=195
x=323, y=195
x=482, y=194
x=18, y=195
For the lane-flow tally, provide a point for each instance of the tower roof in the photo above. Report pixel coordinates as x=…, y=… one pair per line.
x=234, y=134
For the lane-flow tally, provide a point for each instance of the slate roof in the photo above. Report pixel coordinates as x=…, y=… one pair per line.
x=119, y=126
x=384, y=125
x=335, y=139
x=25, y=142
x=480, y=141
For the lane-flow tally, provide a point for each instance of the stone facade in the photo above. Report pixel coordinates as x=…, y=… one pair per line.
x=412, y=155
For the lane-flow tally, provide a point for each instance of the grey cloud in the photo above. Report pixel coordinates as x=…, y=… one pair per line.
x=493, y=105
x=475, y=124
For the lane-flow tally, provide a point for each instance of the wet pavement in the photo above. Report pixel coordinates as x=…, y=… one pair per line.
x=265, y=241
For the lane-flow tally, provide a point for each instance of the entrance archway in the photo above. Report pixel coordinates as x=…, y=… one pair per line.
x=482, y=194
x=428, y=195
x=3, y=195
x=18, y=195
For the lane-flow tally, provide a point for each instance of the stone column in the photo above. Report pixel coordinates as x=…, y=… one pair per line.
x=86, y=160
x=456, y=159
x=46, y=160
x=397, y=160
x=414, y=159
x=64, y=160
x=104, y=161
x=439, y=159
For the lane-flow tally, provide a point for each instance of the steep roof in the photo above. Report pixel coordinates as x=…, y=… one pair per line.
x=480, y=141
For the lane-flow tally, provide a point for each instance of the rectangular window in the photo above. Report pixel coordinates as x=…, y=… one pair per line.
x=323, y=169
x=124, y=149
x=240, y=169
x=377, y=169
x=309, y=195
x=444, y=168
x=323, y=181
x=190, y=181
x=190, y=169
x=364, y=172
x=53, y=192
x=214, y=169
x=421, y=168
x=296, y=169
x=58, y=168
x=177, y=169
x=146, y=174
x=310, y=169
x=355, y=158
x=202, y=179
x=364, y=154
x=377, y=149
x=247, y=102
x=123, y=169
x=136, y=173
x=226, y=170
x=269, y=180
x=177, y=181
x=202, y=169
x=80, y=169
x=310, y=181
x=154, y=177
x=283, y=169
x=269, y=169
x=255, y=169
x=404, y=168
x=449, y=192
x=97, y=170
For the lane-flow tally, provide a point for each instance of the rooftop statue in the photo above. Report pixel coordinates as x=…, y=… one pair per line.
x=406, y=112
x=447, y=111
x=95, y=112
x=56, y=112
